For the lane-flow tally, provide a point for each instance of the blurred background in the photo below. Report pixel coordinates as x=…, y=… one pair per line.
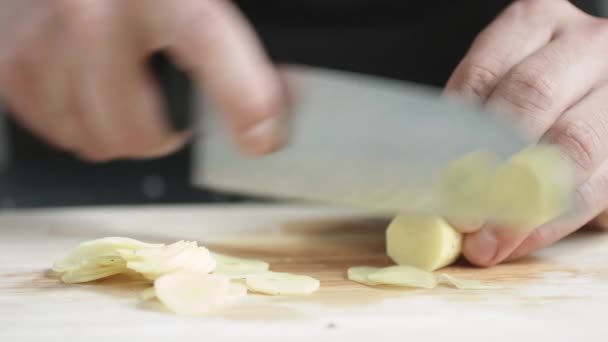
x=419, y=41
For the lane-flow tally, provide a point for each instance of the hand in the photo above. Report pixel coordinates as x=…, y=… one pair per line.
x=74, y=72
x=546, y=62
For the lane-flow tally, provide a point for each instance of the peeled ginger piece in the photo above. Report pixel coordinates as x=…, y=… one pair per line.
x=422, y=241
x=532, y=187
x=462, y=189
x=234, y=267
x=360, y=274
x=181, y=256
x=277, y=283
x=464, y=284
x=97, y=251
x=403, y=276
x=192, y=293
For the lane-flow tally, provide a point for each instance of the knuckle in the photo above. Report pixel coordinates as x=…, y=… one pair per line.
x=581, y=143
x=528, y=91
x=203, y=29
x=479, y=79
x=592, y=194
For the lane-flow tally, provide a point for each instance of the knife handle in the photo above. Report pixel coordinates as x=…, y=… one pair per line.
x=176, y=87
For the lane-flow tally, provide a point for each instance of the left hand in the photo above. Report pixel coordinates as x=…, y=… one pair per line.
x=547, y=62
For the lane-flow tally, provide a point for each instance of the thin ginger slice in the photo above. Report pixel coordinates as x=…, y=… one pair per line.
x=192, y=293
x=97, y=251
x=277, y=283
x=236, y=268
x=464, y=284
x=181, y=256
x=360, y=274
x=407, y=276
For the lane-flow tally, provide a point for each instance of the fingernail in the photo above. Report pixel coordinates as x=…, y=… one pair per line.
x=263, y=137
x=481, y=247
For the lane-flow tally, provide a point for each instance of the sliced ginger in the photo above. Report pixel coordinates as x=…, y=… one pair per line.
x=98, y=251
x=531, y=188
x=464, y=284
x=462, y=189
x=182, y=256
x=86, y=274
x=360, y=274
x=237, y=267
x=403, y=276
x=277, y=283
x=192, y=293
x=408, y=276
x=181, y=273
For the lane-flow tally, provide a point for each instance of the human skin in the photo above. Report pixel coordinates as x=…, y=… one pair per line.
x=74, y=73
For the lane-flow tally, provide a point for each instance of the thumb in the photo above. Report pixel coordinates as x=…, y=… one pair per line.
x=492, y=244
x=213, y=42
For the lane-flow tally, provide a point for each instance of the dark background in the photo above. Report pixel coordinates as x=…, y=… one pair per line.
x=410, y=40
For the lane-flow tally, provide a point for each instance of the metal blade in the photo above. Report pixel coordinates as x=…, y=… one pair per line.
x=355, y=140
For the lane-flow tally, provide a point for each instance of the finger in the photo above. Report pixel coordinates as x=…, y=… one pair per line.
x=213, y=41
x=545, y=84
x=26, y=87
x=517, y=32
x=491, y=244
x=56, y=88
x=580, y=133
x=592, y=200
x=120, y=103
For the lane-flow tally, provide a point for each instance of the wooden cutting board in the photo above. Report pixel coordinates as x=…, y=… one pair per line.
x=561, y=293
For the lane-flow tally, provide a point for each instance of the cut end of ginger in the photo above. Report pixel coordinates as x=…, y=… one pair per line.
x=422, y=241
x=462, y=189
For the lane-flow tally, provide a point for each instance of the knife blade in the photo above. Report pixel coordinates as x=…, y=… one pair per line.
x=354, y=140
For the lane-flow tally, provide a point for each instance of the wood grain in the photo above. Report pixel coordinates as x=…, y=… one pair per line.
x=560, y=293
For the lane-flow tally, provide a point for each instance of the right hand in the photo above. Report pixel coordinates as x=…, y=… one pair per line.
x=74, y=72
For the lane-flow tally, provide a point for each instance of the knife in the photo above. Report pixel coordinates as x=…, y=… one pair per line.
x=354, y=140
